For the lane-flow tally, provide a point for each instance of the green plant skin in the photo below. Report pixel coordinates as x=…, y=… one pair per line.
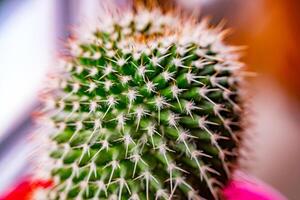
x=141, y=114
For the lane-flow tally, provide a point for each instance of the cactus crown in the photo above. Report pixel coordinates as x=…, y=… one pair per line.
x=147, y=108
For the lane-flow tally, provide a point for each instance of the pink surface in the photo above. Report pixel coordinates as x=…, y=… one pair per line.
x=248, y=188
x=25, y=189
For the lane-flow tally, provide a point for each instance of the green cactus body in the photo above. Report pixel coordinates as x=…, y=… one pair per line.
x=148, y=108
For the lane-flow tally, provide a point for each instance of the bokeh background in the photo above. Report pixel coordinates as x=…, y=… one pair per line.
x=32, y=35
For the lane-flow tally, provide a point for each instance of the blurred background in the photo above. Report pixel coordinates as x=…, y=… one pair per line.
x=32, y=35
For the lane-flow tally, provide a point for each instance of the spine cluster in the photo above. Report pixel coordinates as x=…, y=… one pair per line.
x=147, y=108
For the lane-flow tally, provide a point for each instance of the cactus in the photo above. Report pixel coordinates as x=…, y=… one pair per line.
x=148, y=107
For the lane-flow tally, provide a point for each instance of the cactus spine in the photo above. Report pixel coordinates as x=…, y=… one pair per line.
x=147, y=108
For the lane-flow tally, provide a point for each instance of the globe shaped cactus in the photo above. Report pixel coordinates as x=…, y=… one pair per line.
x=148, y=107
